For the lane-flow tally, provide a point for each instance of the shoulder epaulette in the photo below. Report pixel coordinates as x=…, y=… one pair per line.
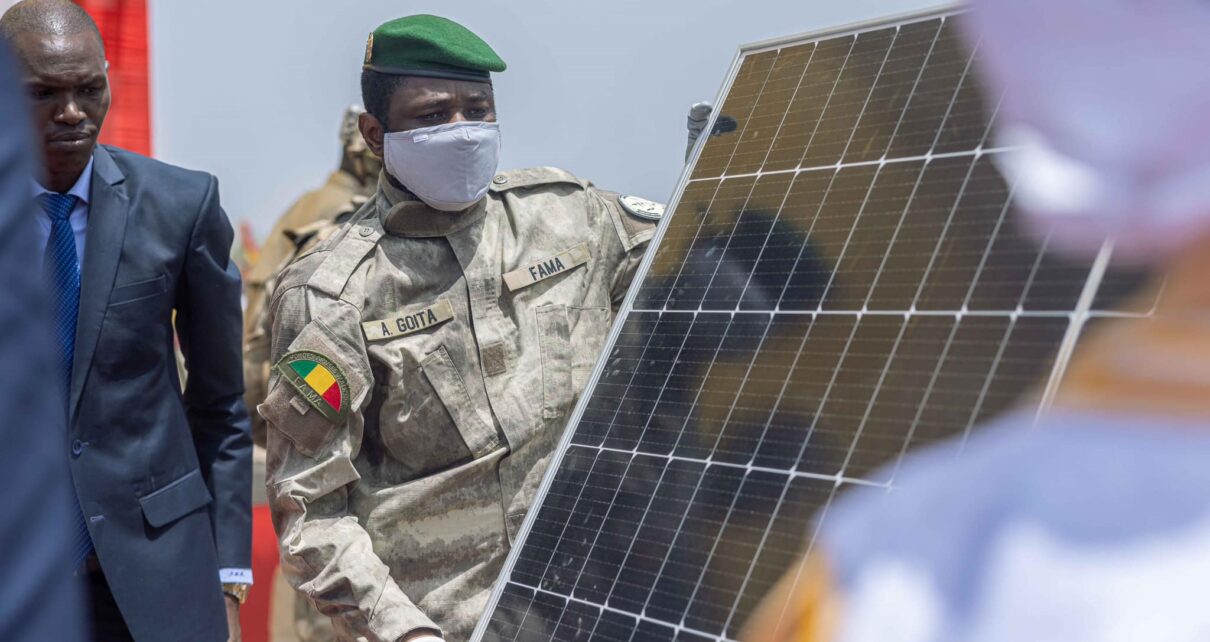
x=533, y=177
x=328, y=266
x=357, y=239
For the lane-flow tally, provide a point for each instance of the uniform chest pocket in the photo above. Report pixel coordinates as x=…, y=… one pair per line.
x=425, y=406
x=589, y=328
x=554, y=337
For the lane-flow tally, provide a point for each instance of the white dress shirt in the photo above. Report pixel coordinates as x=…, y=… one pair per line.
x=79, y=227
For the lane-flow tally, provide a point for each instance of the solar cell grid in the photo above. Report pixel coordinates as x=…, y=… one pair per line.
x=839, y=282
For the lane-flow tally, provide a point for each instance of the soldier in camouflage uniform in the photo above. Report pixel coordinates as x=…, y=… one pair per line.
x=346, y=189
x=429, y=353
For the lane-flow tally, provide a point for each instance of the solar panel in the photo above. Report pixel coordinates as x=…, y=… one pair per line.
x=838, y=282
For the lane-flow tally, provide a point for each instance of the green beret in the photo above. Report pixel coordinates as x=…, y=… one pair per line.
x=430, y=46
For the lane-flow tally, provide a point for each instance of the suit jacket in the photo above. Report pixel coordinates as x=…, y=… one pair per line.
x=164, y=478
x=38, y=599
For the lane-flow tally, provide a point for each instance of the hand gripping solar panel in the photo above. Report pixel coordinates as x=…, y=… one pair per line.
x=837, y=283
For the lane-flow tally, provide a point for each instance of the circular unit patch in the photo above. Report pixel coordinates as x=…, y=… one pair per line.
x=642, y=208
x=319, y=380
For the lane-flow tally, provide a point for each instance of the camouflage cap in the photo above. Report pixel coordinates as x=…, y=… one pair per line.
x=424, y=45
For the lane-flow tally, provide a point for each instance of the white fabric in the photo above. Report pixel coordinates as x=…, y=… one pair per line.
x=78, y=217
x=1040, y=588
x=1070, y=527
x=235, y=575
x=1111, y=101
x=449, y=167
x=893, y=602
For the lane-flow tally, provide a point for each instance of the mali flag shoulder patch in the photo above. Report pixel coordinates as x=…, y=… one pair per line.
x=320, y=381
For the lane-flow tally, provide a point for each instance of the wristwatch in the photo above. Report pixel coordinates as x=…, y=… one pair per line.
x=237, y=591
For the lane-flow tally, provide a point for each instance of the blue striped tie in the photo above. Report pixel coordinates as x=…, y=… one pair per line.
x=62, y=265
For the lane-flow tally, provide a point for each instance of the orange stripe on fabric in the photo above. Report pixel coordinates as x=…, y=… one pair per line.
x=802, y=607
x=1158, y=365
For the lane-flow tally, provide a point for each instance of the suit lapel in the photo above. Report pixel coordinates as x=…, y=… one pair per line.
x=107, y=214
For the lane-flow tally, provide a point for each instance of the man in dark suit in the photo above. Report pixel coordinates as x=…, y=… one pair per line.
x=162, y=478
x=40, y=602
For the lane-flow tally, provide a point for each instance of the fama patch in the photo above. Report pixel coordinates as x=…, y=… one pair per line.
x=562, y=262
x=642, y=208
x=320, y=381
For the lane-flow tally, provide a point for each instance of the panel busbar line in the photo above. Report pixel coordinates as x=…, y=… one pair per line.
x=839, y=281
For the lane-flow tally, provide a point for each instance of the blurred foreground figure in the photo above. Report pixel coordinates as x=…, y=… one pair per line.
x=162, y=528
x=303, y=224
x=39, y=599
x=1093, y=524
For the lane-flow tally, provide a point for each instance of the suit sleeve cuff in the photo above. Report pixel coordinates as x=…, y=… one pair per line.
x=235, y=575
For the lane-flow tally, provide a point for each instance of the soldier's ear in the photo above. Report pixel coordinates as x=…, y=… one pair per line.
x=372, y=131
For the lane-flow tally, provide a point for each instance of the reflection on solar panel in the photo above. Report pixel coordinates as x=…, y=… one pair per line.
x=837, y=284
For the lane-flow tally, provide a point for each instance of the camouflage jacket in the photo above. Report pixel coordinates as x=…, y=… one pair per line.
x=426, y=365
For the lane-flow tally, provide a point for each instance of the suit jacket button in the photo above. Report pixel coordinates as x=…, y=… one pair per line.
x=77, y=447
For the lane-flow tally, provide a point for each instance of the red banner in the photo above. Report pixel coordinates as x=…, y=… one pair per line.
x=123, y=25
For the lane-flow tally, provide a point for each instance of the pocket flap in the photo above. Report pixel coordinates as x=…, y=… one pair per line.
x=305, y=427
x=179, y=498
x=554, y=337
x=443, y=375
x=140, y=290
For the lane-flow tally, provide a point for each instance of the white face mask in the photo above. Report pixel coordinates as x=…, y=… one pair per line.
x=449, y=167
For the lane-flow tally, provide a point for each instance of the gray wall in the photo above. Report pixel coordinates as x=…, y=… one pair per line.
x=253, y=90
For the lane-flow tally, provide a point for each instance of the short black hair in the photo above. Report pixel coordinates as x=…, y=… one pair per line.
x=376, y=91
x=47, y=17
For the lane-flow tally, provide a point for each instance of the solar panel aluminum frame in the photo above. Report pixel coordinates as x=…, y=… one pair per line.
x=936, y=11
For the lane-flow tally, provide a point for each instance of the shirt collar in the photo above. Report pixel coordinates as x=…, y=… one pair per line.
x=402, y=214
x=80, y=190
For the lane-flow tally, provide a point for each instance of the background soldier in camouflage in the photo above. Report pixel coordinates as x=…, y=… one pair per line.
x=345, y=190
x=428, y=353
